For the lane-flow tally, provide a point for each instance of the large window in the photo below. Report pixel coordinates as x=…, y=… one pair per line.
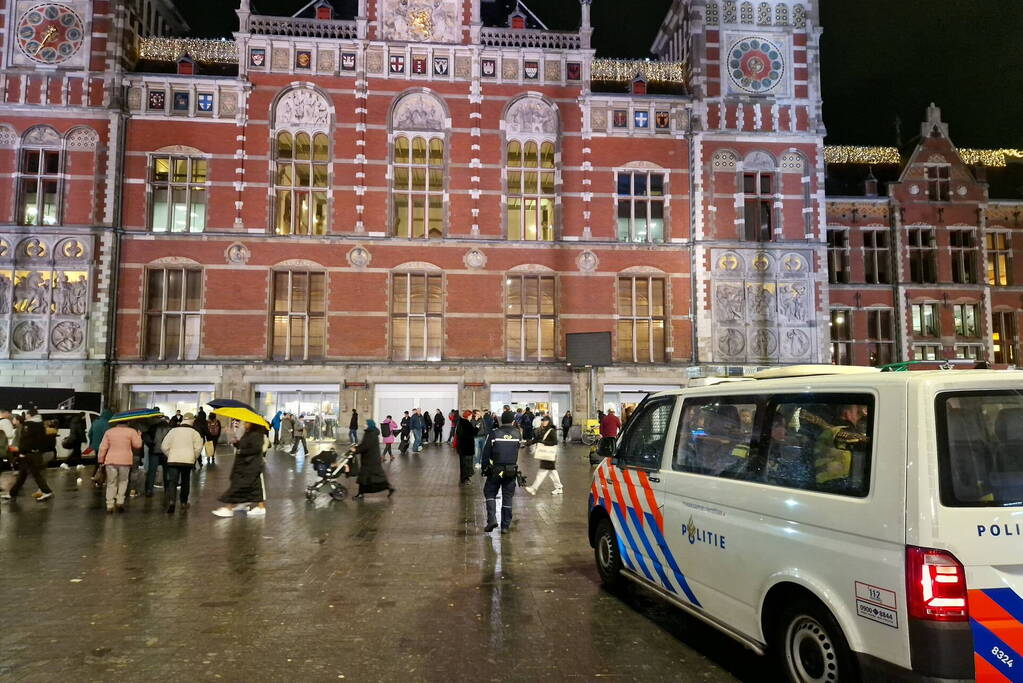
x=299, y=315
x=923, y=255
x=881, y=345
x=999, y=259
x=925, y=320
x=937, y=183
x=964, y=256
x=838, y=255
x=757, y=189
x=178, y=193
x=927, y=352
x=301, y=179
x=418, y=187
x=530, y=169
x=841, y=346
x=530, y=317
x=417, y=315
x=642, y=444
x=640, y=206
x=39, y=187
x=965, y=316
x=1003, y=337
x=876, y=257
x=641, y=320
x=173, y=314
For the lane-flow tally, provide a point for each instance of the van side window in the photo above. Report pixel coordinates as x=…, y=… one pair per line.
x=820, y=442
x=643, y=441
x=716, y=436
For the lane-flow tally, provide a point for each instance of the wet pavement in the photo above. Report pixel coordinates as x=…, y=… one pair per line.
x=400, y=589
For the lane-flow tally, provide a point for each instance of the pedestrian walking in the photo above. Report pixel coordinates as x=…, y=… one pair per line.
x=465, y=445
x=275, y=424
x=545, y=446
x=181, y=446
x=453, y=420
x=566, y=425
x=299, y=436
x=609, y=427
x=201, y=424
x=31, y=442
x=7, y=437
x=97, y=430
x=353, y=427
x=176, y=418
x=152, y=439
x=415, y=424
x=74, y=441
x=438, y=427
x=388, y=431
x=245, y=491
x=214, y=427
x=500, y=471
x=371, y=472
x=406, y=430
x=427, y=427
x=117, y=455
x=287, y=429
x=482, y=423
x=526, y=424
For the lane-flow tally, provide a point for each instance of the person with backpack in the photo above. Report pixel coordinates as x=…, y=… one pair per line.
x=32, y=442
x=388, y=428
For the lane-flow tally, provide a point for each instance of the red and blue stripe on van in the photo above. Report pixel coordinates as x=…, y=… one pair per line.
x=996, y=619
x=632, y=505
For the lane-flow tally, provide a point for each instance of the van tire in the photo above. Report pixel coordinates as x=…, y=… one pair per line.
x=809, y=645
x=605, y=550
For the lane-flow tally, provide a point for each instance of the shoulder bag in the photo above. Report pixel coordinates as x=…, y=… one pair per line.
x=544, y=452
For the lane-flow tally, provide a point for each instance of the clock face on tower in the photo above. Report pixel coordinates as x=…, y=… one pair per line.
x=50, y=33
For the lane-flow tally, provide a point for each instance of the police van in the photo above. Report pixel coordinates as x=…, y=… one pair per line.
x=856, y=524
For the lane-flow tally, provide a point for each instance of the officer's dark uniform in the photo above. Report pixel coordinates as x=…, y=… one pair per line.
x=500, y=468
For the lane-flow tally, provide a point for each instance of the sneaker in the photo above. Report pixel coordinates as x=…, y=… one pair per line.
x=530, y=490
x=64, y=466
x=257, y=511
x=48, y=494
x=79, y=467
x=37, y=495
x=224, y=512
x=6, y=496
x=110, y=511
x=557, y=491
x=477, y=466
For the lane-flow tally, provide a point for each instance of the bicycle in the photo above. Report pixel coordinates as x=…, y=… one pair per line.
x=591, y=432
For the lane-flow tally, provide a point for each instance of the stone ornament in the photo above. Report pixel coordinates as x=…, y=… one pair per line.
x=69, y=298
x=474, y=259
x=729, y=305
x=914, y=190
x=83, y=138
x=434, y=21
x=374, y=61
x=758, y=161
x=279, y=59
x=359, y=257
x=587, y=261
x=228, y=103
x=598, y=119
x=8, y=138
x=531, y=115
x=796, y=343
x=724, y=161
x=755, y=65
x=325, y=61
x=3, y=337
x=134, y=98
x=73, y=249
x=6, y=287
x=28, y=336
x=792, y=162
x=510, y=69
x=731, y=342
x=67, y=336
x=463, y=67
x=32, y=250
x=302, y=108
x=552, y=70
x=792, y=303
x=237, y=254
x=42, y=135
x=761, y=301
x=961, y=191
x=418, y=111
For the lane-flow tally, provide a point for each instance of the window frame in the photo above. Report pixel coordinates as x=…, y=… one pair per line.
x=960, y=314
x=646, y=407
x=295, y=189
x=839, y=255
x=183, y=313
x=635, y=319
x=539, y=196
x=524, y=355
x=171, y=186
x=408, y=315
x=1004, y=351
x=764, y=203
x=884, y=339
x=921, y=331
x=841, y=346
x=998, y=268
x=650, y=200
x=290, y=314
x=964, y=256
x=408, y=193
x=923, y=258
x=874, y=256
x=40, y=178
x=939, y=182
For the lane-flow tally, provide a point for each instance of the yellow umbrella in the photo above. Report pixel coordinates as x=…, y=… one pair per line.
x=243, y=414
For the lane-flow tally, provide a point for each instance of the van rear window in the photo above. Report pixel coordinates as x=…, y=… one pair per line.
x=980, y=448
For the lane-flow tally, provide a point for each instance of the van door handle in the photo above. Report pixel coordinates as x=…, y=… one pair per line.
x=656, y=480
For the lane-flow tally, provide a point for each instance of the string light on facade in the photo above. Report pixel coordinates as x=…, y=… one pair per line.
x=850, y=154
x=997, y=158
x=201, y=50
x=626, y=69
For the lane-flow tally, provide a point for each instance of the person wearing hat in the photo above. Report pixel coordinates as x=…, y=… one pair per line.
x=500, y=470
x=465, y=445
x=117, y=455
x=181, y=446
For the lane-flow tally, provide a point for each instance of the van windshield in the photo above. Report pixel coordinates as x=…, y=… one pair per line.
x=980, y=448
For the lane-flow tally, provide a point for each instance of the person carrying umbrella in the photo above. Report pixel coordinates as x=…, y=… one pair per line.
x=246, y=488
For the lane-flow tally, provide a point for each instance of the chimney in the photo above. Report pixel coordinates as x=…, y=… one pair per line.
x=870, y=184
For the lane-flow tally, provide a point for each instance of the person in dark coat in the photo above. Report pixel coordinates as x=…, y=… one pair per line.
x=566, y=425
x=526, y=425
x=438, y=427
x=201, y=424
x=465, y=444
x=353, y=427
x=76, y=437
x=406, y=430
x=246, y=476
x=371, y=471
x=415, y=424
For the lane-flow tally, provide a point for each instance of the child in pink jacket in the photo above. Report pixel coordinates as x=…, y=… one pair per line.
x=117, y=455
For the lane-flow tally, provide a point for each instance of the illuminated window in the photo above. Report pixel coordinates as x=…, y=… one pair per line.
x=417, y=316
x=999, y=259
x=757, y=190
x=178, y=194
x=299, y=315
x=925, y=320
x=641, y=320
x=841, y=347
x=418, y=186
x=927, y=352
x=530, y=317
x=640, y=199
x=39, y=187
x=1003, y=337
x=965, y=316
x=173, y=314
x=301, y=180
x=530, y=188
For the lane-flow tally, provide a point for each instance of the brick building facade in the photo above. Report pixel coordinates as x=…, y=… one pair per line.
x=418, y=202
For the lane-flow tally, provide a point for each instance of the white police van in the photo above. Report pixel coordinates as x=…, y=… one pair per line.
x=857, y=524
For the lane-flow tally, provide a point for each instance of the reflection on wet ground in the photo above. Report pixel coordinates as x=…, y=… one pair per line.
x=402, y=589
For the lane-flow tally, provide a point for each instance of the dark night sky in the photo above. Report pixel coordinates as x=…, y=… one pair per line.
x=880, y=59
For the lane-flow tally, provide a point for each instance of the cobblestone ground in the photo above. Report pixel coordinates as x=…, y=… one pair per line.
x=401, y=589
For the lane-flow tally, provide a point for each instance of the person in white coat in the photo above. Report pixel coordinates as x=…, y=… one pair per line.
x=181, y=446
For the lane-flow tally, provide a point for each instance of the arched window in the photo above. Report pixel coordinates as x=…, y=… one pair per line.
x=531, y=164
x=301, y=163
x=530, y=316
x=418, y=166
x=417, y=315
x=40, y=169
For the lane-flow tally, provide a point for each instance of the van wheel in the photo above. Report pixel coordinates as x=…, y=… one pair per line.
x=810, y=645
x=609, y=561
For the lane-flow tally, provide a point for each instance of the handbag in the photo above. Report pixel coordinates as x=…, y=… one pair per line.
x=100, y=477
x=544, y=452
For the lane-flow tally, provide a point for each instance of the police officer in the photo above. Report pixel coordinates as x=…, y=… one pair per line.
x=500, y=470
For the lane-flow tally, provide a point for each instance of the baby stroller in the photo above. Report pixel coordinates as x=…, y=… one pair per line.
x=329, y=467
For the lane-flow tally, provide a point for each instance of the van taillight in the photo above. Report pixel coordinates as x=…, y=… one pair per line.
x=935, y=585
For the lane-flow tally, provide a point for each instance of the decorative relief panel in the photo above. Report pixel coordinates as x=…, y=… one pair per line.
x=510, y=69
x=45, y=290
x=434, y=21
x=529, y=116
x=418, y=111
x=762, y=306
x=302, y=108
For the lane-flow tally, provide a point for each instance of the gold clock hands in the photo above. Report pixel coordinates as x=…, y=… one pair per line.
x=50, y=32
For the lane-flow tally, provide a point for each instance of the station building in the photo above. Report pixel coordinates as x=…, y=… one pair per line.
x=402, y=203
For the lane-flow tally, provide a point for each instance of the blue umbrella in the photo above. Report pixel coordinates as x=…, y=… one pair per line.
x=229, y=403
x=141, y=414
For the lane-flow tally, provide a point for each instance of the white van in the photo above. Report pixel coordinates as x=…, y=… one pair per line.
x=857, y=524
x=63, y=418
